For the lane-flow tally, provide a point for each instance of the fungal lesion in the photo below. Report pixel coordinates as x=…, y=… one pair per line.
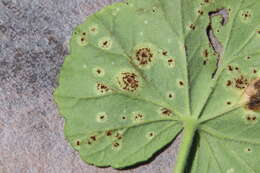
x=128, y=81
x=101, y=117
x=102, y=89
x=165, y=112
x=246, y=15
x=248, y=150
x=93, y=29
x=253, y=95
x=192, y=27
x=105, y=43
x=98, y=71
x=181, y=83
x=144, y=55
x=170, y=95
x=150, y=135
x=82, y=39
x=171, y=62
x=116, y=145
x=138, y=117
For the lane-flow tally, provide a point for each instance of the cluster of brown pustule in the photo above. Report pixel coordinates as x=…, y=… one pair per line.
x=129, y=81
x=102, y=88
x=144, y=56
x=254, y=101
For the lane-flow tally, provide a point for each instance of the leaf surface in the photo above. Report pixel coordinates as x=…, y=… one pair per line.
x=139, y=70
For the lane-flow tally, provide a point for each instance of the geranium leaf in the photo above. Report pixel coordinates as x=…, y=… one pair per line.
x=141, y=71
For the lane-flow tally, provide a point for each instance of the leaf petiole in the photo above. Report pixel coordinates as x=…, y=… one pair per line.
x=189, y=128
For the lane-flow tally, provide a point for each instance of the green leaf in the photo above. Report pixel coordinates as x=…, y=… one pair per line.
x=142, y=71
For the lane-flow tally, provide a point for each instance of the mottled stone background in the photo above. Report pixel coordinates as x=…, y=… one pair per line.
x=33, y=42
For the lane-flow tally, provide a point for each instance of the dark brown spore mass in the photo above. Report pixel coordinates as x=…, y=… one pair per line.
x=254, y=101
x=144, y=56
x=129, y=81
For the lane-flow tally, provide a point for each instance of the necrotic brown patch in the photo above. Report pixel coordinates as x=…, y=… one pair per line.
x=230, y=68
x=94, y=138
x=254, y=102
x=205, y=53
x=257, y=85
x=144, y=56
x=253, y=92
x=171, y=62
x=166, y=112
x=102, y=88
x=128, y=81
x=109, y=133
x=229, y=83
x=192, y=26
x=241, y=82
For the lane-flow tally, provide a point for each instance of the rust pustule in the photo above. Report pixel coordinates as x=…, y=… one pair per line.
x=129, y=81
x=241, y=82
x=102, y=88
x=144, y=56
x=166, y=112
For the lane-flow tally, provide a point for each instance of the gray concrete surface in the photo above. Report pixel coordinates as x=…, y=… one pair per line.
x=33, y=42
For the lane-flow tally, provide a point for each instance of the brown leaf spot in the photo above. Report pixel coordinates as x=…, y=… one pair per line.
x=241, y=82
x=246, y=15
x=228, y=103
x=116, y=144
x=181, y=83
x=171, y=62
x=254, y=102
x=109, y=133
x=119, y=136
x=129, y=81
x=230, y=68
x=192, y=27
x=200, y=12
x=257, y=85
x=102, y=88
x=93, y=138
x=165, y=53
x=105, y=43
x=166, y=112
x=205, y=53
x=144, y=56
x=229, y=83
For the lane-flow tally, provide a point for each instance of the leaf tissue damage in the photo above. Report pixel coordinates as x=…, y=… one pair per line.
x=140, y=72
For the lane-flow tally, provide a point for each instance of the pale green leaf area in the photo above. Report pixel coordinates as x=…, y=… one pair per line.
x=140, y=72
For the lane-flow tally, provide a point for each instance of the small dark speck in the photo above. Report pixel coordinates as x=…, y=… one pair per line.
x=228, y=103
x=181, y=83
